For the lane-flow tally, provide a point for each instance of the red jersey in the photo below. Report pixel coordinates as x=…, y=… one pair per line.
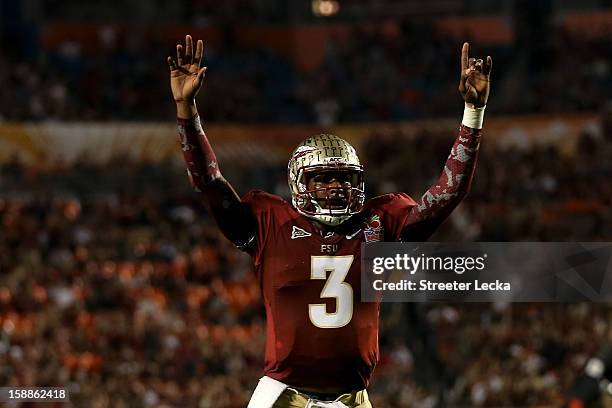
x=319, y=334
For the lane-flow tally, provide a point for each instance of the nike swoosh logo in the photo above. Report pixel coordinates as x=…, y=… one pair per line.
x=353, y=235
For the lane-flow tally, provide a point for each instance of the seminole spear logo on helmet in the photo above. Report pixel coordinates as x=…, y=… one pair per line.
x=326, y=179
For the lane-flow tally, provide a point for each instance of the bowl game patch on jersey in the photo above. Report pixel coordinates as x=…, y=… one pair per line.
x=373, y=231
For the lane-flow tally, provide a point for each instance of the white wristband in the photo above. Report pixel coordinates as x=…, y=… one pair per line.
x=473, y=117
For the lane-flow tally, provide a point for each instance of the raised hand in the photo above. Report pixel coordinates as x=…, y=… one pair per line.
x=474, y=84
x=186, y=76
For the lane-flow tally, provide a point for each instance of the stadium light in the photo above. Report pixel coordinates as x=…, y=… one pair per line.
x=325, y=8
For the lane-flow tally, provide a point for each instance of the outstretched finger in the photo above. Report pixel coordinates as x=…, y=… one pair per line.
x=188, y=49
x=197, y=59
x=486, y=69
x=179, y=54
x=171, y=64
x=464, y=56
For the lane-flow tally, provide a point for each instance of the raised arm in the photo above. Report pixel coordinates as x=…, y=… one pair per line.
x=186, y=76
x=456, y=178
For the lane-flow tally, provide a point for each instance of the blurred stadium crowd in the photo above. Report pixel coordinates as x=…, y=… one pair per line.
x=116, y=282
x=373, y=77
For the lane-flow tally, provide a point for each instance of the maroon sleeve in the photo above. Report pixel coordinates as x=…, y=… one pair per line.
x=452, y=186
x=202, y=166
x=261, y=205
x=396, y=209
x=220, y=199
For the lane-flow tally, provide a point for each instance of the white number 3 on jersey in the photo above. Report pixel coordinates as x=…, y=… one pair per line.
x=335, y=287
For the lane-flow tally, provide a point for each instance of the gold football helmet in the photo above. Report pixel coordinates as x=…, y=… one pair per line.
x=326, y=154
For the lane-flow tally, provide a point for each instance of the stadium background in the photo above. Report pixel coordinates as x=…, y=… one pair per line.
x=115, y=283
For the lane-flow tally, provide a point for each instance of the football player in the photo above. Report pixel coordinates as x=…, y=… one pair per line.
x=322, y=341
x=593, y=384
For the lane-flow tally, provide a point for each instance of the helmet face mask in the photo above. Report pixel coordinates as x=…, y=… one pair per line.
x=326, y=179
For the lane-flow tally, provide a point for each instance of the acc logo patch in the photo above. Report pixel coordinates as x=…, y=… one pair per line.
x=373, y=231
